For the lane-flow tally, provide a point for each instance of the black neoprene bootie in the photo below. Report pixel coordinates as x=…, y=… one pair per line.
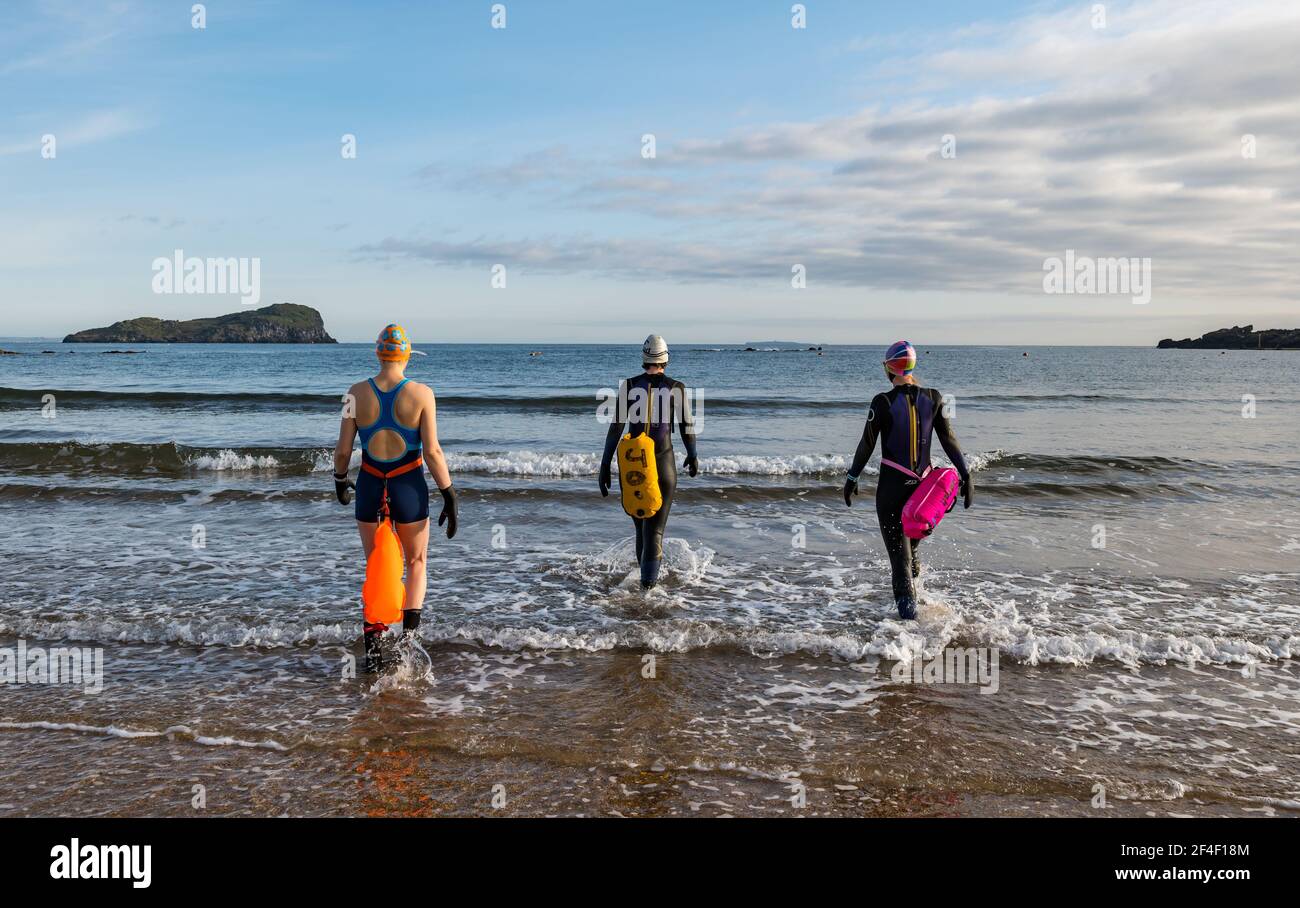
x=907, y=608
x=650, y=573
x=373, y=636
x=410, y=620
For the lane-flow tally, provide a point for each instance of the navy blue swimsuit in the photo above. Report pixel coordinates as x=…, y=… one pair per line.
x=408, y=494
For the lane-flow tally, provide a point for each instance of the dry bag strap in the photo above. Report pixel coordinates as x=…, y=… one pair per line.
x=404, y=468
x=649, y=405
x=898, y=466
x=375, y=471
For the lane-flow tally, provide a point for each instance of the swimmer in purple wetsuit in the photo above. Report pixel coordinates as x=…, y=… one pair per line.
x=903, y=418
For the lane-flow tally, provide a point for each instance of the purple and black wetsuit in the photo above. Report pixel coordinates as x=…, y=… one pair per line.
x=903, y=418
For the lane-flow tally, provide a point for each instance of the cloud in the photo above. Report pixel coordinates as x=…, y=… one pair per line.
x=546, y=166
x=1122, y=141
x=632, y=259
x=153, y=220
x=99, y=126
x=61, y=54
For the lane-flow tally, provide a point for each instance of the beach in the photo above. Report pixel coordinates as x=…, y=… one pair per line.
x=1126, y=567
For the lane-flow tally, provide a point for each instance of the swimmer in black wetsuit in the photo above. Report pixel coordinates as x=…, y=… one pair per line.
x=664, y=403
x=902, y=419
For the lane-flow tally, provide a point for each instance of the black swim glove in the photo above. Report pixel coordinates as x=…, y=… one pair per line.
x=968, y=490
x=850, y=489
x=448, y=515
x=606, y=480
x=342, y=485
x=692, y=465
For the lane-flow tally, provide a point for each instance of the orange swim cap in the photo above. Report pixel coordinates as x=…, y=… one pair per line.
x=393, y=345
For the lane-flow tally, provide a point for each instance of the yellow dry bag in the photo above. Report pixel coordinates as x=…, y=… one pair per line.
x=638, y=477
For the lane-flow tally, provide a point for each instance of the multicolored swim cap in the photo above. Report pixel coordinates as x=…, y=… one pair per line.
x=900, y=358
x=394, y=344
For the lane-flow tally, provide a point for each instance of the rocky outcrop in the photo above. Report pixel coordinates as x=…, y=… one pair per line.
x=283, y=323
x=1238, y=338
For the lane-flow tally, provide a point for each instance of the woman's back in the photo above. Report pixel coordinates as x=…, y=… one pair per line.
x=388, y=418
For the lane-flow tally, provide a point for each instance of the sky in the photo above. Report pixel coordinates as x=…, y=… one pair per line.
x=917, y=165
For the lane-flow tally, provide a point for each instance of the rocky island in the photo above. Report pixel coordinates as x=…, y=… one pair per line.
x=282, y=323
x=1238, y=338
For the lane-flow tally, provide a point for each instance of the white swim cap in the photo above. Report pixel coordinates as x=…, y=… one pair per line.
x=654, y=351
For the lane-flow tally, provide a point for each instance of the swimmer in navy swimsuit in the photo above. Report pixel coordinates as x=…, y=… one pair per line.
x=396, y=421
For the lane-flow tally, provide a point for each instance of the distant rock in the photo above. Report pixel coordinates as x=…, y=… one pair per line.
x=283, y=323
x=1238, y=338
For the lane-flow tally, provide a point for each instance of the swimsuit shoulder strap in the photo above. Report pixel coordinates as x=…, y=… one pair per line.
x=387, y=402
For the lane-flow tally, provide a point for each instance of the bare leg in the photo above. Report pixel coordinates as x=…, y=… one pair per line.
x=415, y=544
x=367, y=531
x=374, y=658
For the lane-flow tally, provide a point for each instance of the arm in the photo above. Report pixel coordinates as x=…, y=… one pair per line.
x=611, y=444
x=343, y=449
x=434, y=458
x=871, y=430
x=436, y=461
x=614, y=433
x=943, y=429
x=686, y=429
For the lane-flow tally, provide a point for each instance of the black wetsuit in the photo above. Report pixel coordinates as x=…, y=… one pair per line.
x=665, y=405
x=903, y=418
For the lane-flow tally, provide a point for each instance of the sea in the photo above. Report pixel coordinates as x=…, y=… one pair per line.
x=180, y=615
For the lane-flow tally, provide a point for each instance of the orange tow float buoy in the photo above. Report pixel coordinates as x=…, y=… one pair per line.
x=383, y=593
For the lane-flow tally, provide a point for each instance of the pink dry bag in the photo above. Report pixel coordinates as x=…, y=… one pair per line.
x=934, y=497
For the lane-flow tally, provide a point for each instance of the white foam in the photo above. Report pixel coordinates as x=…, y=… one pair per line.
x=233, y=461
x=769, y=465
x=564, y=464
x=592, y=602
x=888, y=639
x=183, y=732
x=979, y=460
x=682, y=564
x=526, y=463
x=216, y=631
